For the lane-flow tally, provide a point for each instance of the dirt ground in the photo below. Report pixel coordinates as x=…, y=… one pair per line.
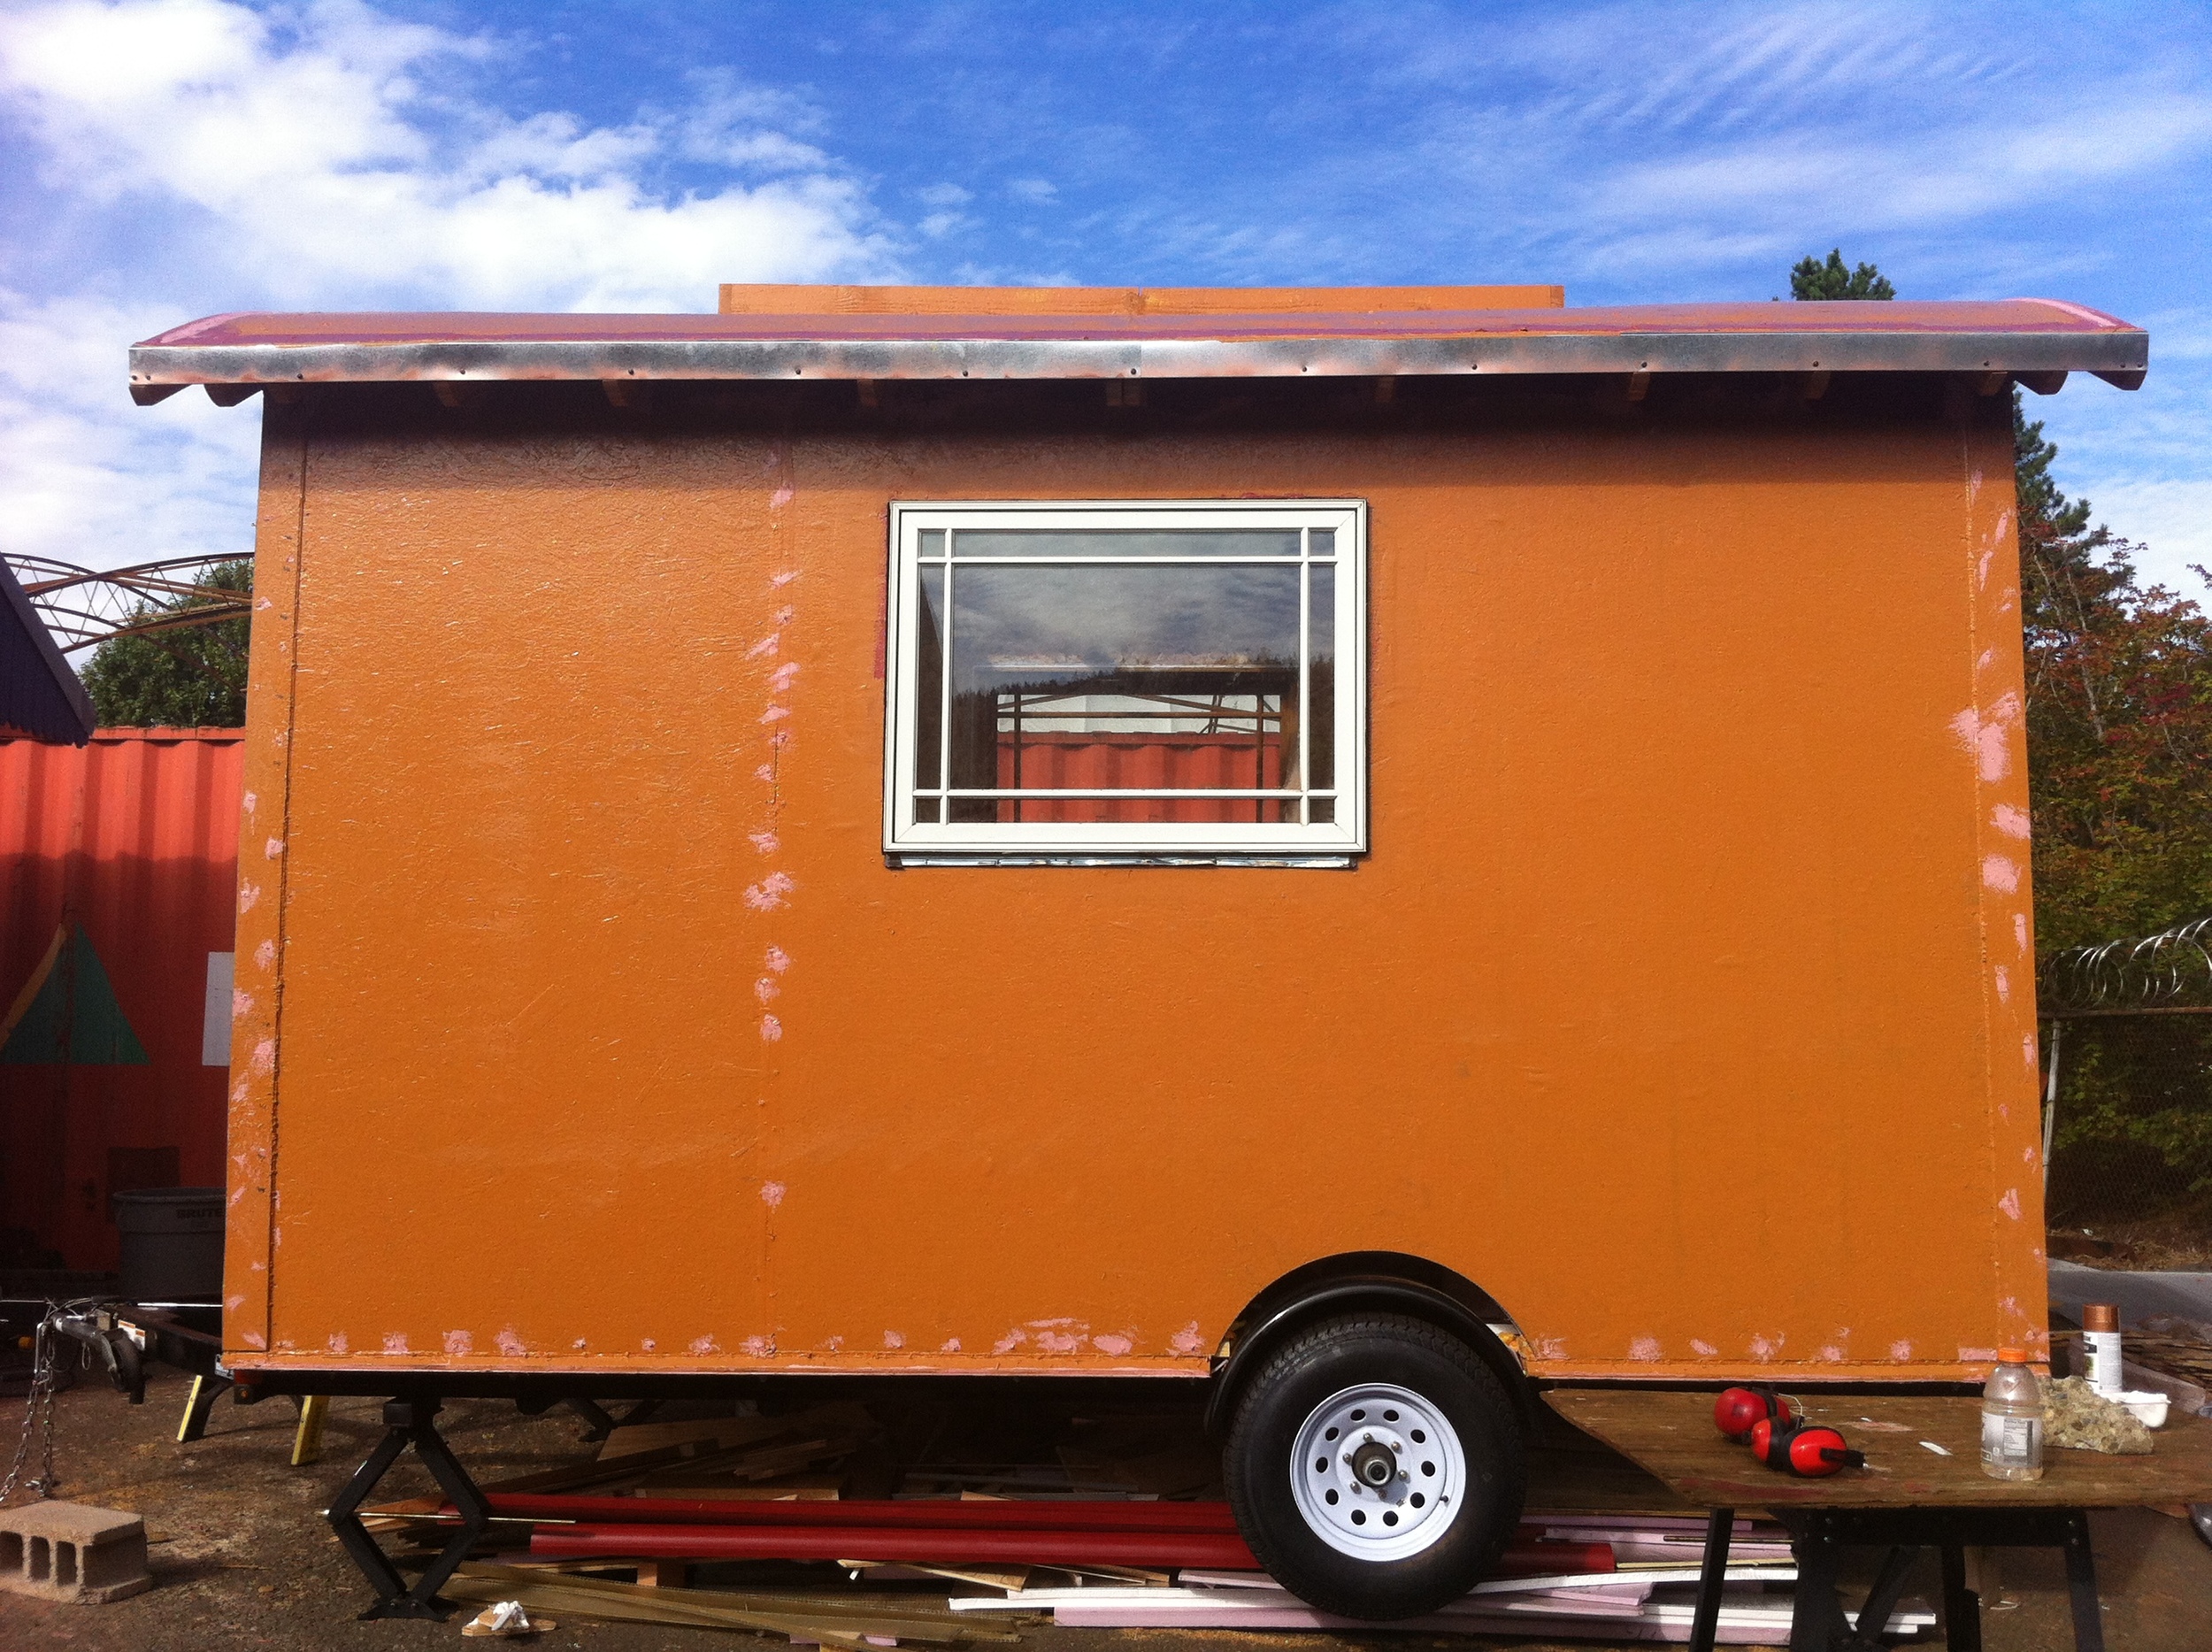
x=241, y=1557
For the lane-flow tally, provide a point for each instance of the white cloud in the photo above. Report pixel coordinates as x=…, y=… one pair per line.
x=1036, y=191
x=87, y=477
x=334, y=156
x=318, y=158
x=2171, y=521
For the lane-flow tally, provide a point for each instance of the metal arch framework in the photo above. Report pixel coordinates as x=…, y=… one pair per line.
x=84, y=607
x=2170, y=970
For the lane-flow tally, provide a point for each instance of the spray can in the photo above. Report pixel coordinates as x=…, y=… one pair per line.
x=2100, y=1343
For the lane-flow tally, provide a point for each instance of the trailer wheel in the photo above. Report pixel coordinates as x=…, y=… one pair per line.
x=1375, y=1466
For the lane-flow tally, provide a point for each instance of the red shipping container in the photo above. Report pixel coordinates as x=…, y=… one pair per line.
x=124, y=851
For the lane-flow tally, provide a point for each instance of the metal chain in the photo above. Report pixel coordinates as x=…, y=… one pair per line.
x=38, y=1413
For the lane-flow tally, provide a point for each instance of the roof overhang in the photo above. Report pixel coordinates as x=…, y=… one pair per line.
x=2036, y=340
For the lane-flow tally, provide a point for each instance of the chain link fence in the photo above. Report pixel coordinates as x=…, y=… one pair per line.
x=2127, y=1063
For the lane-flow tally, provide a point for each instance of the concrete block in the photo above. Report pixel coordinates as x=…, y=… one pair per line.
x=65, y=1551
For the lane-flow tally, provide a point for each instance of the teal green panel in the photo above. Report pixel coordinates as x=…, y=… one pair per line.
x=75, y=1016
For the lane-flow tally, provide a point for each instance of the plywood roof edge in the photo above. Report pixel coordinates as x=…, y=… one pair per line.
x=767, y=298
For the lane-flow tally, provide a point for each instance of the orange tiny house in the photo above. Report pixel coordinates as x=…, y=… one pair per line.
x=1101, y=835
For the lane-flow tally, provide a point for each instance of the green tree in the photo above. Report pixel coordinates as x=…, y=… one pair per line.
x=1810, y=278
x=2119, y=722
x=188, y=677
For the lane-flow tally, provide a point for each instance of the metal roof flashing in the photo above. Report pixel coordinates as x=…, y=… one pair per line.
x=2037, y=341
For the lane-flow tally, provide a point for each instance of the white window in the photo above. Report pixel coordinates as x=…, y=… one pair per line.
x=1135, y=680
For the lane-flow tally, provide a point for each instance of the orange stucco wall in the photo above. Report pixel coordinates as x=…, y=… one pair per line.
x=1683, y=1002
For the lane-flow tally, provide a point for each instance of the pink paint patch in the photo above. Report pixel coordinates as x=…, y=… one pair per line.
x=1187, y=1341
x=1703, y=1349
x=1644, y=1347
x=703, y=1345
x=765, y=843
x=766, y=772
x=782, y=679
x=758, y=1346
x=336, y=1342
x=2003, y=980
x=769, y=893
x=2000, y=874
x=2010, y=821
x=265, y=956
x=1976, y=1355
x=777, y=959
x=771, y=1193
x=252, y=801
x=232, y=1304
x=395, y=1342
x=1012, y=1341
x=1832, y=1353
x=254, y=1339
x=1766, y=1347
x=236, y=1193
x=768, y=644
x=1110, y=1343
x=775, y=714
x=770, y=1030
x=247, y=895
x=2028, y=1052
x=785, y=578
x=785, y=615
x=460, y=1342
x=510, y=1344
x=766, y=989
x=2020, y=932
x=779, y=498
x=264, y=1055
x=2010, y=1204
x=648, y=1344
x=1057, y=1341
x=1901, y=1348
x=893, y=1339
x=274, y=847
x=951, y=1345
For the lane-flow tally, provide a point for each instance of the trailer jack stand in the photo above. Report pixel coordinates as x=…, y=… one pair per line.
x=407, y=1423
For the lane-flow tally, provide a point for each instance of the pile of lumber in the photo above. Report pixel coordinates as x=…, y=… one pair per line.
x=822, y=1528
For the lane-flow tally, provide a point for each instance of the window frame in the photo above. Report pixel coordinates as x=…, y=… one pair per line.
x=908, y=840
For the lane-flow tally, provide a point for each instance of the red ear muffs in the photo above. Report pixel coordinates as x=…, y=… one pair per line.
x=1736, y=1409
x=1807, y=1451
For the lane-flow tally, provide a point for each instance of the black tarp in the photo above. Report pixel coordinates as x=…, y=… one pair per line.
x=39, y=695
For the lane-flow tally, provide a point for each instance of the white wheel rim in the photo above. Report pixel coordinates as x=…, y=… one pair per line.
x=1378, y=1432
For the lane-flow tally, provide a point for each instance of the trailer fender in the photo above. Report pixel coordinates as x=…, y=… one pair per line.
x=1368, y=1280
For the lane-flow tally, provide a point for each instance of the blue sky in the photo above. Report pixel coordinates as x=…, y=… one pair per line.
x=168, y=158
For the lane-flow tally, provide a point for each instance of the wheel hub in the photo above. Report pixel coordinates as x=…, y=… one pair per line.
x=1378, y=1472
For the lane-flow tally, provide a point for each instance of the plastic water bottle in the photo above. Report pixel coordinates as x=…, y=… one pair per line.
x=2012, y=1421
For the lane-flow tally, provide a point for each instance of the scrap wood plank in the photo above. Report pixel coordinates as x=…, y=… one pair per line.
x=794, y=1614
x=1672, y=1435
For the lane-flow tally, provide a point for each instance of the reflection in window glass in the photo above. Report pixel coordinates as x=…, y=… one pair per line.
x=929, y=656
x=1321, y=644
x=1124, y=678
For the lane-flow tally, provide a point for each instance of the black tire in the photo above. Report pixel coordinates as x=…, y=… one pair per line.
x=1322, y=1362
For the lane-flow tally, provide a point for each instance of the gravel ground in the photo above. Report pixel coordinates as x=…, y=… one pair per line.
x=241, y=1558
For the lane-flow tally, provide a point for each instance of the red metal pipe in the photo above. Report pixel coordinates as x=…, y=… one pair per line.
x=895, y=1543
x=934, y=1514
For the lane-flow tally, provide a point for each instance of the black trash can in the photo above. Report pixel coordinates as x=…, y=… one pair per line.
x=173, y=1244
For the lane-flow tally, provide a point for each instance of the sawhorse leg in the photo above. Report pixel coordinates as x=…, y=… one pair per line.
x=205, y=1391
x=1711, y=1578
x=2081, y=1585
x=1962, y=1607
x=409, y=1423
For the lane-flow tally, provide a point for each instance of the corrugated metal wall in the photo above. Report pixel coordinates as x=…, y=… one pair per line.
x=134, y=840
x=1143, y=762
